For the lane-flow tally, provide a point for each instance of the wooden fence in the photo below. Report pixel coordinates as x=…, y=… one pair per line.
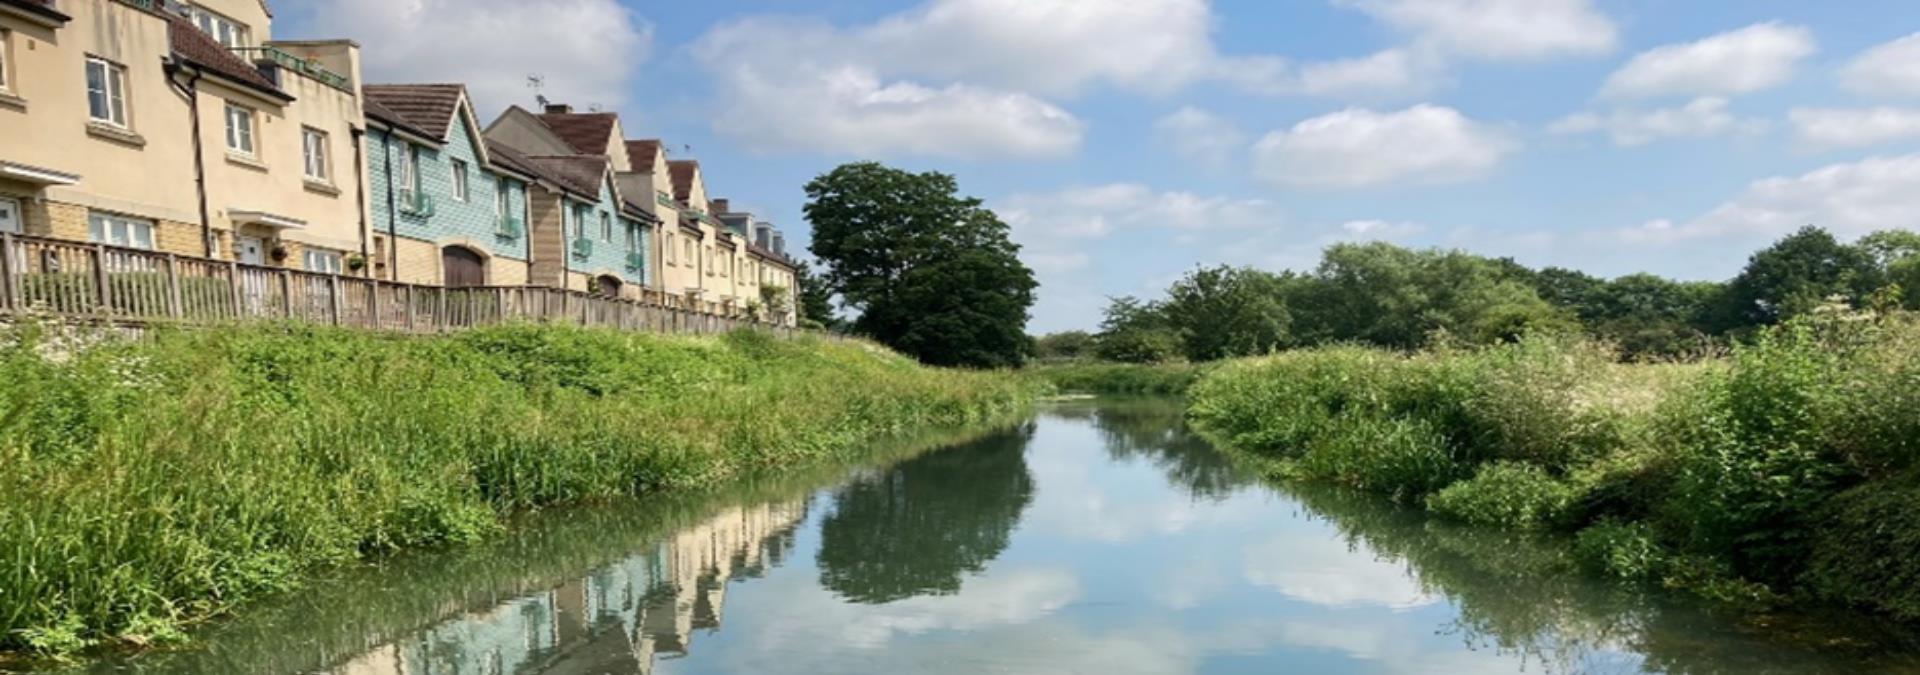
x=131, y=286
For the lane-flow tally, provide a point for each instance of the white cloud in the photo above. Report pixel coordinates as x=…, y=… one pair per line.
x=1891, y=69
x=1357, y=147
x=1854, y=127
x=1499, y=29
x=1093, y=212
x=1736, y=62
x=776, y=98
x=1847, y=199
x=587, y=50
x=1380, y=229
x=1703, y=117
x=1325, y=571
x=1200, y=136
x=1386, y=74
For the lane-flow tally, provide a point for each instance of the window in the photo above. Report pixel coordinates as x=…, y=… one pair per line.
x=230, y=33
x=239, y=130
x=106, y=92
x=324, y=262
x=502, y=198
x=606, y=228
x=688, y=245
x=313, y=148
x=460, y=180
x=6, y=40
x=117, y=230
x=633, y=237
x=409, y=175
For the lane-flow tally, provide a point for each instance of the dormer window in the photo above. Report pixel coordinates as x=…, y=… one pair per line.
x=231, y=34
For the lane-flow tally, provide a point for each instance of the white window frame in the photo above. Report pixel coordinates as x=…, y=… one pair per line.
x=409, y=171
x=242, y=131
x=114, y=229
x=6, y=59
x=323, y=261
x=461, y=191
x=224, y=30
x=502, y=197
x=313, y=149
x=112, y=92
x=19, y=215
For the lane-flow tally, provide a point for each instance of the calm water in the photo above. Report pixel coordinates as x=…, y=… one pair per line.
x=1096, y=538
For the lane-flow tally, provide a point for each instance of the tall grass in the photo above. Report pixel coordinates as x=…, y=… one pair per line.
x=1171, y=379
x=149, y=483
x=1786, y=469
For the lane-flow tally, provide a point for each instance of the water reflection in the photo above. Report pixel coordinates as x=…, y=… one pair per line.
x=917, y=528
x=1099, y=538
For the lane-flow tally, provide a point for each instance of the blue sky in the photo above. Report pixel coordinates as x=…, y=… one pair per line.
x=1127, y=142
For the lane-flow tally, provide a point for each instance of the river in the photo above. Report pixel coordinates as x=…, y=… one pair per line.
x=1096, y=537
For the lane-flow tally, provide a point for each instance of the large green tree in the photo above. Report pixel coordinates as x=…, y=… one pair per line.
x=1398, y=297
x=816, y=300
x=1795, y=275
x=1223, y=311
x=927, y=271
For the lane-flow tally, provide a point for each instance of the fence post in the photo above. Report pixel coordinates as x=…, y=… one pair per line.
x=373, y=304
x=174, y=307
x=440, y=324
x=333, y=298
x=500, y=305
x=286, y=291
x=101, y=293
x=7, y=301
x=233, y=287
x=409, y=301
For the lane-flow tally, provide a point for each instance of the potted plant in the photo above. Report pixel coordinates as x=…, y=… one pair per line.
x=279, y=253
x=356, y=262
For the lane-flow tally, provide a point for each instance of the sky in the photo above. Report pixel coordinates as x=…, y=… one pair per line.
x=1128, y=141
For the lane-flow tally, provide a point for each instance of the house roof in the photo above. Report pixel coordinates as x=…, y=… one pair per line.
x=719, y=206
x=581, y=174
x=586, y=132
x=643, y=153
x=764, y=252
x=429, y=108
x=510, y=159
x=682, y=171
x=378, y=111
x=637, y=210
x=195, y=47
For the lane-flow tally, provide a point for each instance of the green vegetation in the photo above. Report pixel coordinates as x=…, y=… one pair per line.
x=1382, y=295
x=1170, y=379
x=927, y=272
x=154, y=482
x=1787, y=469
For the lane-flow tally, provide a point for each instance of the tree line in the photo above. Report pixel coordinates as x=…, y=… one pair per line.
x=1391, y=296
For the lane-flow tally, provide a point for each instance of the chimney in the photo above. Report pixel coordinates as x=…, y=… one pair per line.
x=721, y=206
x=559, y=109
x=763, y=235
x=779, y=243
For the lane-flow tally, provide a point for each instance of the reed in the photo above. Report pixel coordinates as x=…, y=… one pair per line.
x=153, y=482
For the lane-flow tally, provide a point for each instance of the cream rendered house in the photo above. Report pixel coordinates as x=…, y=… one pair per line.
x=106, y=102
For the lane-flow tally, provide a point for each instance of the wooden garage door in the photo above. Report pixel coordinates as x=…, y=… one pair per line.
x=463, y=267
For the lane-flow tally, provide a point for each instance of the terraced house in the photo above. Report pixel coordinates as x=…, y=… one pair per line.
x=180, y=127
x=447, y=208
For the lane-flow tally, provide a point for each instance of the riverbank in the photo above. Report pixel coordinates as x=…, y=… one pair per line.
x=156, y=482
x=1118, y=379
x=1777, y=473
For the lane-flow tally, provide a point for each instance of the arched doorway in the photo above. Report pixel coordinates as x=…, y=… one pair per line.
x=462, y=266
x=607, y=285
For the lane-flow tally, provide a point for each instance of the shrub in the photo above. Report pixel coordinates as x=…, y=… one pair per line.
x=1115, y=378
x=1510, y=494
x=1866, y=548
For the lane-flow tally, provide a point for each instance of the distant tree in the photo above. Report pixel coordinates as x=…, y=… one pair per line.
x=1136, y=332
x=1576, y=291
x=1219, y=312
x=1795, y=275
x=1396, y=297
x=816, y=300
x=1898, y=254
x=928, y=272
x=1064, y=346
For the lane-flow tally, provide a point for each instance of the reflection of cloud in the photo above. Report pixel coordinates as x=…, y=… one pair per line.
x=1009, y=598
x=1327, y=572
x=1078, y=504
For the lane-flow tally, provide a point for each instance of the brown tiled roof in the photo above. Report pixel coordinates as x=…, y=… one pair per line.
x=376, y=111
x=642, y=153
x=682, y=171
x=583, y=174
x=637, y=210
x=689, y=224
x=718, y=206
x=193, y=46
x=426, y=107
x=510, y=159
x=764, y=252
x=586, y=132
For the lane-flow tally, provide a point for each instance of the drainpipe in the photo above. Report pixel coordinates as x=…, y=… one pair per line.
x=360, y=197
x=191, y=90
x=393, y=210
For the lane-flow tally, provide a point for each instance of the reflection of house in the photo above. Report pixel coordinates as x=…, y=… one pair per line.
x=614, y=620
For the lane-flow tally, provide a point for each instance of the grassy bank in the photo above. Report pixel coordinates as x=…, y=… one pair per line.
x=1171, y=379
x=155, y=482
x=1786, y=470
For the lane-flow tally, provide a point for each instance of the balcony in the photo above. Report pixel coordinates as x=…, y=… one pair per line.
x=636, y=261
x=307, y=67
x=415, y=203
x=583, y=248
x=510, y=227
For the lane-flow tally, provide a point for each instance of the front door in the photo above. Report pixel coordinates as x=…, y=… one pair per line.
x=252, y=250
x=607, y=286
x=462, y=267
x=10, y=218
